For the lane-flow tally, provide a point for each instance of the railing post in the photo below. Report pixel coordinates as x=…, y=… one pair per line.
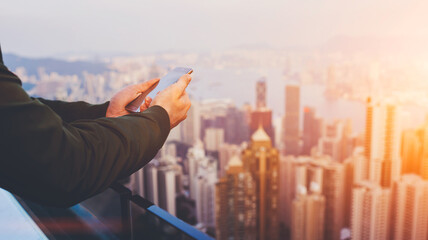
x=125, y=208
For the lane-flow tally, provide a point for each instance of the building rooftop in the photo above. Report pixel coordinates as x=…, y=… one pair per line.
x=260, y=135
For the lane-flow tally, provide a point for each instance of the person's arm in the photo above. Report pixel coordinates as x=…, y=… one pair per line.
x=72, y=111
x=50, y=161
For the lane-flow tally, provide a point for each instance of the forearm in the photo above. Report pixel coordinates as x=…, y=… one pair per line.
x=72, y=111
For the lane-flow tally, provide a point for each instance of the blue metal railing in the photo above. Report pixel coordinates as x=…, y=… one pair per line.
x=113, y=214
x=160, y=217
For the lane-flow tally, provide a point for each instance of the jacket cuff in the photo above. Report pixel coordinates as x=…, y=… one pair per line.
x=100, y=110
x=161, y=116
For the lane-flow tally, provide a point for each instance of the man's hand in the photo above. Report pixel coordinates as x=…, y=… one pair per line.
x=175, y=100
x=118, y=102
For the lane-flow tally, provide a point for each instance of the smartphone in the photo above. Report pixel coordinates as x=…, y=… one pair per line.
x=170, y=78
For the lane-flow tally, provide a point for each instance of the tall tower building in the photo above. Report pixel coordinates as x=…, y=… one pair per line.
x=299, y=173
x=261, y=160
x=411, y=146
x=167, y=191
x=334, y=140
x=333, y=191
x=151, y=182
x=291, y=123
x=261, y=93
x=236, y=211
x=354, y=170
x=409, y=208
x=225, y=153
x=195, y=156
x=190, y=128
x=308, y=217
x=214, y=138
x=325, y=178
x=370, y=212
x=205, y=192
x=424, y=152
x=262, y=117
x=382, y=145
x=414, y=151
x=311, y=130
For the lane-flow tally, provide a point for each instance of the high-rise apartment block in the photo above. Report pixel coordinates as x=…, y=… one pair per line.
x=370, y=212
x=261, y=160
x=311, y=130
x=291, y=123
x=190, y=127
x=262, y=118
x=236, y=211
x=322, y=179
x=414, y=151
x=261, y=94
x=308, y=217
x=382, y=145
x=354, y=172
x=335, y=140
x=250, y=191
x=409, y=208
x=214, y=138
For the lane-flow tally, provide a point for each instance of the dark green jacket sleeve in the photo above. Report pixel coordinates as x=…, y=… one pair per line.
x=72, y=111
x=51, y=161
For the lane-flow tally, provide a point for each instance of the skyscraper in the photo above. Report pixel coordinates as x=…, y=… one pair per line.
x=411, y=146
x=195, y=155
x=167, y=191
x=333, y=191
x=236, y=211
x=354, y=172
x=409, y=208
x=370, y=212
x=299, y=173
x=414, y=151
x=261, y=93
x=205, y=192
x=190, y=128
x=151, y=182
x=382, y=145
x=261, y=160
x=424, y=152
x=223, y=114
x=311, y=130
x=308, y=217
x=263, y=118
x=291, y=123
x=334, y=140
x=225, y=153
x=214, y=138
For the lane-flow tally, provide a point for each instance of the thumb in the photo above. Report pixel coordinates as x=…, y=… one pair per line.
x=183, y=82
x=148, y=86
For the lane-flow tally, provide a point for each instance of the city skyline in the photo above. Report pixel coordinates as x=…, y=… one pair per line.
x=339, y=181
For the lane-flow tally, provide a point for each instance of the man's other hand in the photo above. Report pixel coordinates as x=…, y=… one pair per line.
x=118, y=102
x=175, y=100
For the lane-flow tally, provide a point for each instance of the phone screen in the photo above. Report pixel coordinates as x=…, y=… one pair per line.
x=170, y=78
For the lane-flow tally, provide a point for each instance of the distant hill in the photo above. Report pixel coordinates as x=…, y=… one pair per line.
x=62, y=67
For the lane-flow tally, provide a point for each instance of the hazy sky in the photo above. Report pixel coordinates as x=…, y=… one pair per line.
x=52, y=27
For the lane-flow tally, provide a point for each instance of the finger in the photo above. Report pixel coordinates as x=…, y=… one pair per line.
x=148, y=101
x=146, y=104
x=183, y=82
x=148, y=86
